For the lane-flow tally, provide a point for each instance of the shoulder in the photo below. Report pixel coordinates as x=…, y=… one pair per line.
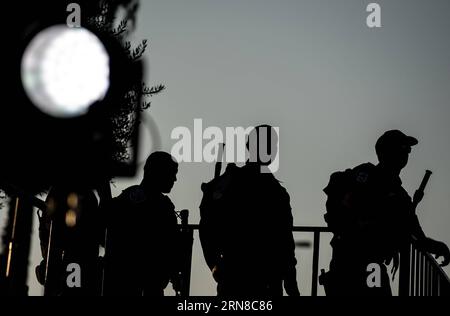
x=363, y=172
x=133, y=195
x=167, y=202
x=342, y=179
x=220, y=183
x=283, y=193
x=269, y=185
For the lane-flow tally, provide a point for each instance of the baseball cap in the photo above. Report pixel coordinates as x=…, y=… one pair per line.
x=394, y=139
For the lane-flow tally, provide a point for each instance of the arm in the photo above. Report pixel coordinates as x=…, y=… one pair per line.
x=290, y=272
x=208, y=228
x=424, y=243
x=438, y=248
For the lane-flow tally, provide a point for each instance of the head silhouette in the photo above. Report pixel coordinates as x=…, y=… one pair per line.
x=262, y=145
x=393, y=149
x=160, y=172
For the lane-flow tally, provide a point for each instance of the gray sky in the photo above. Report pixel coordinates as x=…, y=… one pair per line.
x=314, y=69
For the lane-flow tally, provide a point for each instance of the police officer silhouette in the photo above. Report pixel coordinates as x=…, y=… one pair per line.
x=372, y=218
x=246, y=225
x=143, y=233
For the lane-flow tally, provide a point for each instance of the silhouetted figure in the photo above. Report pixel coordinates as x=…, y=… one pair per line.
x=70, y=233
x=142, y=242
x=372, y=218
x=246, y=226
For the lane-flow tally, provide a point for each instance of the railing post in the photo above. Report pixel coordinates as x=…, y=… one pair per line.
x=187, y=239
x=405, y=270
x=422, y=272
x=428, y=278
x=315, y=271
x=17, y=238
x=417, y=272
x=433, y=282
x=413, y=270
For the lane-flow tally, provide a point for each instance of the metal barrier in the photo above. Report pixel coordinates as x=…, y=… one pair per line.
x=189, y=229
x=316, y=248
x=420, y=274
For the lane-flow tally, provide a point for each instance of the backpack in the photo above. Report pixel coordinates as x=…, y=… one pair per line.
x=343, y=191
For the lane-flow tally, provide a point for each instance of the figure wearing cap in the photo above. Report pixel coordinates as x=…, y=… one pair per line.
x=372, y=216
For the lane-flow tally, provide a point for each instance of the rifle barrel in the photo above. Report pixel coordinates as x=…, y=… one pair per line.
x=425, y=179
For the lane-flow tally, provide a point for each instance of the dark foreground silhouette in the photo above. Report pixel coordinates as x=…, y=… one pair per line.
x=246, y=227
x=372, y=218
x=143, y=235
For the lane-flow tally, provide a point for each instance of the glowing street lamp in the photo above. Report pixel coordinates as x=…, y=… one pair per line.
x=65, y=70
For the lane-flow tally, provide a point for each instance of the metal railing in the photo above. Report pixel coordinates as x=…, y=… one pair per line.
x=420, y=274
x=189, y=237
x=316, y=252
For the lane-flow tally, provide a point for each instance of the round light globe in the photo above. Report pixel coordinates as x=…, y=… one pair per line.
x=65, y=70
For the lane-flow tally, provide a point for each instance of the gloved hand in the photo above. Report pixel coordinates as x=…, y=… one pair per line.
x=441, y=250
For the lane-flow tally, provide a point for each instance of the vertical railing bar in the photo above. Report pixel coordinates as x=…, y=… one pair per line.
x=439, y=286
x=435, y=282
x=426, y=276
x=430, y=282
x=425, y=279
x=404, y=271
x=315, y=271
x=445, y=287
x=420, y=275
x=412, y=261
x=424, y=283
x=429, y=277
x=417, y=289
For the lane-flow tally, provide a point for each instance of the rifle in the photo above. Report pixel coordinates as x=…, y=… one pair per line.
x=218, y=166
x=418, y=195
